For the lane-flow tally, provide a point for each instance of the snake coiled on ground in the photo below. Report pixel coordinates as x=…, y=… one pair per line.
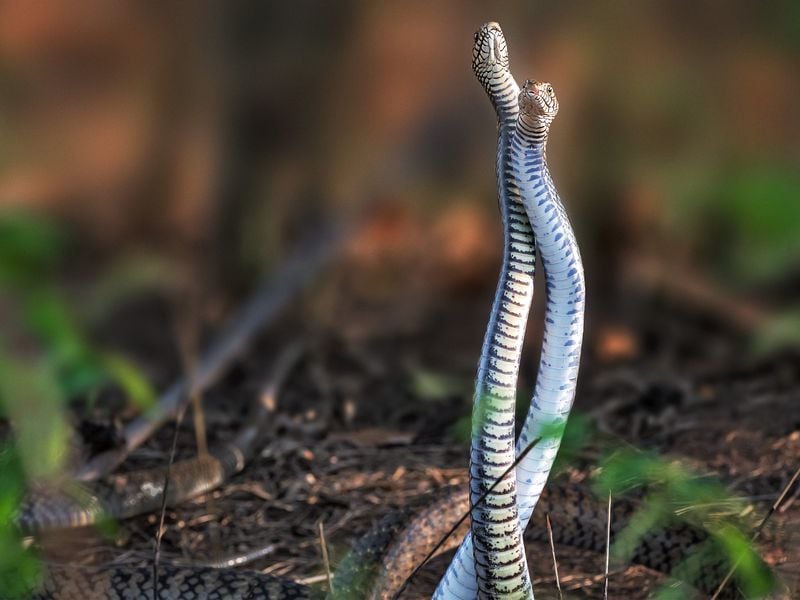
x=382, y=560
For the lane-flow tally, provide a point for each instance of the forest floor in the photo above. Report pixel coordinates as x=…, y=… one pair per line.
x=373, y=417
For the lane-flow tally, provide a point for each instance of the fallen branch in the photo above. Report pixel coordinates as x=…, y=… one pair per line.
x=269, y=300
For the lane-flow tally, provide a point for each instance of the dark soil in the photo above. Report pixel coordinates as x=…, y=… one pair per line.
x=356, y=434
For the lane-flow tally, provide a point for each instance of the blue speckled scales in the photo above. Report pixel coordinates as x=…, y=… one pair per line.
x=563, y=328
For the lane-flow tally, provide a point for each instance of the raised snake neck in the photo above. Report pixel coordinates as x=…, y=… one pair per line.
x=381, y=560
x=498, y=546
x=556, y=380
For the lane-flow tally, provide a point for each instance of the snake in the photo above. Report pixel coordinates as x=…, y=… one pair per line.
x=126, y=495
x=498, y=547
x=130, y=494
x=530, y=191
x=578, y=519
x=381, y=560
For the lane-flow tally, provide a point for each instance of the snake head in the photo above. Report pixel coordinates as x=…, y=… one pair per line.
x=537, y=101
x=490, y=53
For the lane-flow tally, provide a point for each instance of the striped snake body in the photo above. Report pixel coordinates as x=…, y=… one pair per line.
x=129, y=494
x=498, y=550
x=174, y=583
x=579, y=520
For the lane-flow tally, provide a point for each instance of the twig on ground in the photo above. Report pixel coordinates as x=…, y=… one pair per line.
x=757, y=532
x=553, y=550
x=316, y=579
x=788, y=504
x=236, y=560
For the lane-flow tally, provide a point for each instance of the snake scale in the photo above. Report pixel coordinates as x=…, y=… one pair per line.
x=382, y=560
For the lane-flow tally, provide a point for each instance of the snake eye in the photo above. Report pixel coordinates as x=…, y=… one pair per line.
x=550, y=89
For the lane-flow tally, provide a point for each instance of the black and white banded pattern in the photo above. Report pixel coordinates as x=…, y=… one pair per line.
x=492, y=561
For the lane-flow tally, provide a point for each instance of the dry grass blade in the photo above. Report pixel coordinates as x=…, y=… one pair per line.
x=163, y=512
x=757, y=532
x=198, y=416
x=187, y=311
x=325, y=560
x=555, y=561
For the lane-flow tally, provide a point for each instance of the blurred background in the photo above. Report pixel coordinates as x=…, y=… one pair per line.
x=158, y=159
x=210, y=136
x=179, y=152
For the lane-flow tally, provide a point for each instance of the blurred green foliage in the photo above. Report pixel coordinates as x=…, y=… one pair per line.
x=433, y=385
x=30, y=250
x=745, y=223
x=674, y=493
x=18, y=565
x=750, y=214
x=784, y=24
x=780, y=332
x=760, y=209
x=46, y=358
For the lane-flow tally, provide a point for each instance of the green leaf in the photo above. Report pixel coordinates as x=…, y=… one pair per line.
x=461, y=430
x=431, y=385
x=32, y=400
x=752, y=575
x=130, y=379
x=578, y=431
x=780, y=332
